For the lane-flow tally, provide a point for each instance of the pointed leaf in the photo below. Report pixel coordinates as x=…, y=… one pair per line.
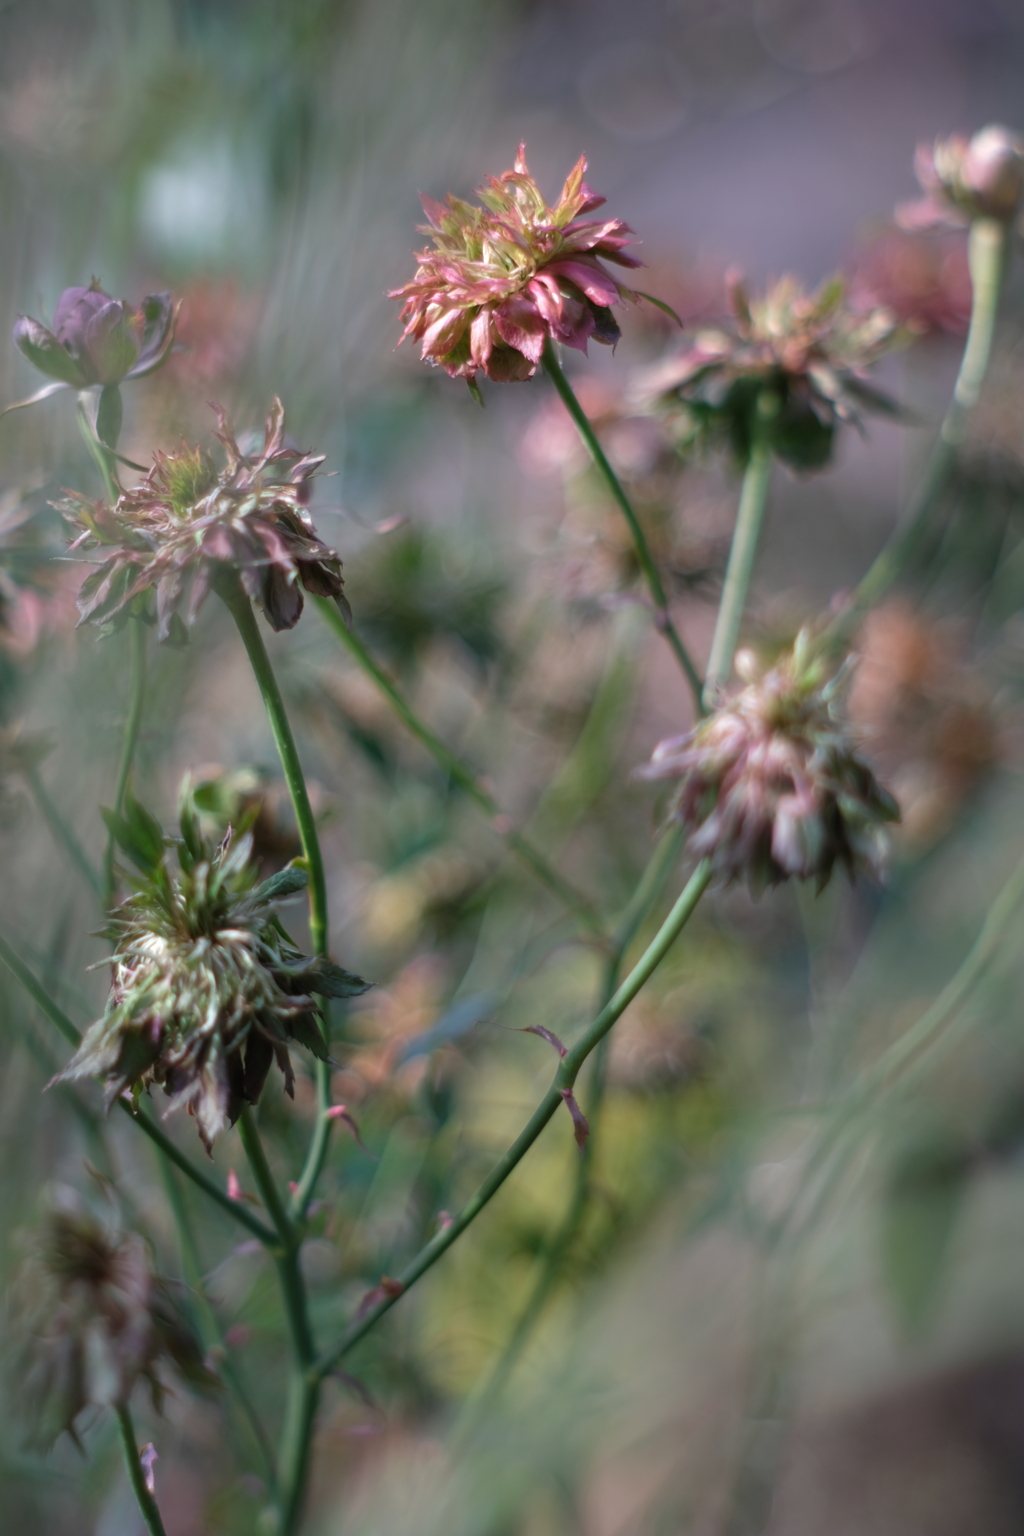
x=285, y=883
x=332, y=980
x=580, y=1128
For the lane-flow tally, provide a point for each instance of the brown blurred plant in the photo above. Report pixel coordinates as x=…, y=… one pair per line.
x=88, y=1319
x=927, y=719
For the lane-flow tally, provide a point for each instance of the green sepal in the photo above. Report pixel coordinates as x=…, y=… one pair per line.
x=138, y=835
x=285, y=883
x=332, y=980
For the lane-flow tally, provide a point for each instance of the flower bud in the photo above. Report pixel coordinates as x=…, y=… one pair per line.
x=967, y=179
x=99, y=340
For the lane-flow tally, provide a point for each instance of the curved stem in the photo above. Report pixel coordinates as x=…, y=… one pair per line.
x=59, y=1019
x=645, y=895
x=564, y=1079
x=553, y=368
x=136, y=1474
x=459, y=773
x=749, y=517
x=987, y=252
x=63, y=834
x=128, y=745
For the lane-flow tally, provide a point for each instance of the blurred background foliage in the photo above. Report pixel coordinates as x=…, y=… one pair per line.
x=697, y=1367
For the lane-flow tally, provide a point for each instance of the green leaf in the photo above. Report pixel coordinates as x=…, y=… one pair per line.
x=304, y=1028
x=332, y=980
x=109, y=416
x=285, y=883
x=138, y=835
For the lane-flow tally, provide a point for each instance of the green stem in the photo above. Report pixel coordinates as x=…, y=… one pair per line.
x=137, y=631
x=305, y=1379
x=564, y=1079
x=987, y=252
x=749, y=517
x=459, y=773
x=644, y=557
x=644, y=896
x=136, y=1475
x=59, y=1019
x=241, y=610
x=100, y=453
x=63, y=835
x=211, y=1332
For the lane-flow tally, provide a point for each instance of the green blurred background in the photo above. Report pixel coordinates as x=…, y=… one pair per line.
x=689, y=1372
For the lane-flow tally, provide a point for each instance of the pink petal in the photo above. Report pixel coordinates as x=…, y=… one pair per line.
x=596, y=284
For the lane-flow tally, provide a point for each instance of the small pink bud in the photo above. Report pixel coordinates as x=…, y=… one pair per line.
x=234, y=1188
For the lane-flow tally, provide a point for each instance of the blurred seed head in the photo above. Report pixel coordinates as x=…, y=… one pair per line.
x=504, y=278
x=188, y=524
x=965, y=179
x=772, y=786
x=207, y=989
x=99, y=340
x=88, y=1319
x=809, y=351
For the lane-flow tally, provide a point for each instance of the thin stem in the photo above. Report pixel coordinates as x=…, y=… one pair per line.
x=304, y=1382
x=100, y=453
x=211, y=1332
x=241, y=610
x=749, y=517
x=59, y=1019
x=647, y=890
x=457, y=771
x=137, y=631
x=987, y=253
x=136, y=1475
x=564, y=1079
x=63, y=834
x=644, y=557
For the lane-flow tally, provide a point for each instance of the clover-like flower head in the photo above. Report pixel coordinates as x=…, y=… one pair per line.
x=966, y=179
x=503, y=278
x=89, y=1319
x=771, y=785
x=809, y=353
x=99, y=340
x=187, y=523
x=207, y=990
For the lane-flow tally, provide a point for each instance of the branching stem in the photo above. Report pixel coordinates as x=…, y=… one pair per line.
x=136, y=1473
x=564, y=1079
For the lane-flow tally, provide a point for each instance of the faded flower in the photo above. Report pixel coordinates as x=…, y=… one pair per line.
x=208, y=991
x=90, y=1319
x=504, y=278
x=965, y=179
x=808, y=353
x=187, y=524
x=771, y=785
x=922, y=277
x=99, y=340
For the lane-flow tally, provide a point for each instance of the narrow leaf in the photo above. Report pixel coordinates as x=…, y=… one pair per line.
x=580, y=1128
x=545, y=1034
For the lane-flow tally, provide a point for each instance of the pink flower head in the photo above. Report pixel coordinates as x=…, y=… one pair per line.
x=504, y=278
x=772, y=787
x=966, y=179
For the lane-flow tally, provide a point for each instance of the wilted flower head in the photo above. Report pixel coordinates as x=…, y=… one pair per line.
x=187, y=523
x=505, y=277
x=965, y=179
x=90, y=1319
x=808, y=352
x=772, y=786
x=97, y=339
x=207, y=991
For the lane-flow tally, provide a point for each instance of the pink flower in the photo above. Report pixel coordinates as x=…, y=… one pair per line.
x=966, y=179
x=504, y=278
